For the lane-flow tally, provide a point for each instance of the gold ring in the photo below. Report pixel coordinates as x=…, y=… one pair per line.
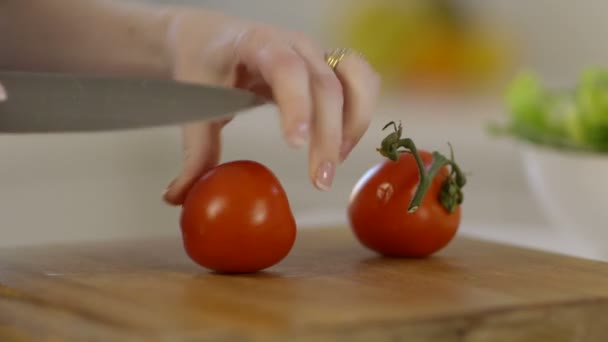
x=334, y=57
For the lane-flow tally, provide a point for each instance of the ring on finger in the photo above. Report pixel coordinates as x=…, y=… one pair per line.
x=334, y=57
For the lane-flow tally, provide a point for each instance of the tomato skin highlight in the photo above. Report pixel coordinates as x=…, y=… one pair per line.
x=378, y=210
x=237, y=219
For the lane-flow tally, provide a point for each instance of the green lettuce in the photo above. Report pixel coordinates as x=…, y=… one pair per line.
x=575, y=118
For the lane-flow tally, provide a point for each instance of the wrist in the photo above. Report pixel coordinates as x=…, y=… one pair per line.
x=99, y=37
x=151, y=52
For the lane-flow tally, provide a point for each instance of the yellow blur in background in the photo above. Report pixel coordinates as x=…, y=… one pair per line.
x=426, y=45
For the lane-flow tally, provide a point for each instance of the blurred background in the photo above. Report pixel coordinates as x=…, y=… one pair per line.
x=445, y=65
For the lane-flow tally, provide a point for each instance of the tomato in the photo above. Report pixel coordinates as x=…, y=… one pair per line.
x=396, y=212
x=237, y=219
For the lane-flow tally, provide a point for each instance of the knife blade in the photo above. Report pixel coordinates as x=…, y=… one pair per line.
x=49, y=102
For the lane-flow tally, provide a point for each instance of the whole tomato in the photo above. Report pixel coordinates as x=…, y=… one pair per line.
x=409, y=204
x=237, y=219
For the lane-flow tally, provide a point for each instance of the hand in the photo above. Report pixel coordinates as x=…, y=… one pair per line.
x=330, y=109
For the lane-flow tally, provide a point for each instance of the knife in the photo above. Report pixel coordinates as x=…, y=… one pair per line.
x=49, y=102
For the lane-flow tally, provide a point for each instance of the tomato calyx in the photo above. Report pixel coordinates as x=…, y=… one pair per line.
x=451, y=195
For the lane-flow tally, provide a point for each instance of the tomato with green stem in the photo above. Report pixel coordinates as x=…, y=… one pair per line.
x=237, y=219
x=409, y=205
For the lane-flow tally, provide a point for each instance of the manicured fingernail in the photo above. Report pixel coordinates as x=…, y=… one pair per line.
x=167, y=189
x=2, y=93
x=345, y=149
x=300, y=135
x=325, y=176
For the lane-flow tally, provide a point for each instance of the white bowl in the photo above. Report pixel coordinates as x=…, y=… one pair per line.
x=572, y=189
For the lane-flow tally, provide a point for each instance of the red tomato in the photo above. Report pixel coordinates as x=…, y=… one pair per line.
x=408, y=205
x=378, y=210
x=237, y=219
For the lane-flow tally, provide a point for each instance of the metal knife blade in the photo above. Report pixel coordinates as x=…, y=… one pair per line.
x=47, y=102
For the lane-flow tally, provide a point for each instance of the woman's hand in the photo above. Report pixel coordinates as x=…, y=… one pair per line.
x=330, y=109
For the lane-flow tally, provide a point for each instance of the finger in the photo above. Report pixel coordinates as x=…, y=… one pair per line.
x=361, y=88
x=201, y=152
x=328, y=96
x=264, y=53
x=200, y=144
x=2, y=93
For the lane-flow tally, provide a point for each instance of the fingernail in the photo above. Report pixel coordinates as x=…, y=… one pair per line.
x=300, y=136
x=167, y=189
x=345, y=149
x=325, y=176
x=2, y=93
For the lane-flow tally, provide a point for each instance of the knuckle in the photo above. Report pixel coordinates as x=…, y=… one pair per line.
x=328, y=83
x=336, y=139
x=288, y=64
x=260, y=33
x=363, y=81
x=361, y=70
x=375, y=79
x=331, y=140
x=363, y=122
x=356, y=127
x=328, y=139
x=291, y=62
x=303, y=39
x=299, y=36
x=256, y=39
x=300, y=121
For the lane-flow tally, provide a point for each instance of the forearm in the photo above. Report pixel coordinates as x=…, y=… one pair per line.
x=84, y=36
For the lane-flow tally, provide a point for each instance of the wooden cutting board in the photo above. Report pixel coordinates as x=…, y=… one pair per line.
x=329, y=288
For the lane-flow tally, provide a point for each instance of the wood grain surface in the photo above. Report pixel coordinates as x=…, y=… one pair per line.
x=329, y=288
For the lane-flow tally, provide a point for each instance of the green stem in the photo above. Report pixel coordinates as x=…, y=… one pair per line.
x=450, y=194
x=424, y=181
x=409, y=144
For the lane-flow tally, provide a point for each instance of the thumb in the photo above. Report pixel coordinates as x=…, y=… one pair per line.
x=2, y=93
x=201, y=152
